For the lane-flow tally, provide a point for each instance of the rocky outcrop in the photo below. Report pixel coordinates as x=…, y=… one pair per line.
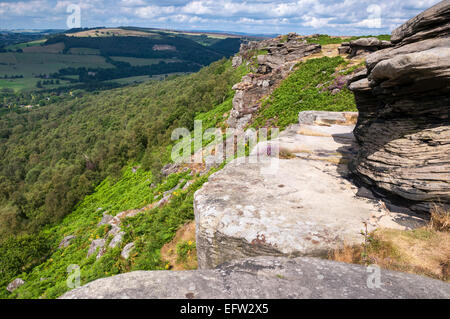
x=363, y=46
x=96, y=246
x=236, y=61
x=434, y=22
x=66, y=242
x=117, y=240
x=404, y=103
x=15, y=284
x=305, y=206
x=277, y=60
x=266, y=278
x=125, y=254
x=105, y=220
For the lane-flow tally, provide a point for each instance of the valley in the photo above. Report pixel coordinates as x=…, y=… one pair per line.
x=33, y=72
x=318, y=160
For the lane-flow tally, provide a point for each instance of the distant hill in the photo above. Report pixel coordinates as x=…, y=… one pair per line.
x=38, y=59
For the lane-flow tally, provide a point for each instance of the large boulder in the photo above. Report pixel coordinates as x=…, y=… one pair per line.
x=404, y=101
x=429, y=24
x=306, y=206
x=105, y=219
x=15, y=284
x=266, y=278
x=363, y=46
x=97, y=244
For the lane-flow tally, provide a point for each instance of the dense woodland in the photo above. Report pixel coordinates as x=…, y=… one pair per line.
x=52, y=157
x=124, y=70
x=141, y=47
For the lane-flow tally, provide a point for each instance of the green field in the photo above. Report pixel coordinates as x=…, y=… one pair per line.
x=41, y=59
x=18, y=84
x=25, y=45
x=84, y=51
x=31, y=64
x=27, y=84
x=140, y=61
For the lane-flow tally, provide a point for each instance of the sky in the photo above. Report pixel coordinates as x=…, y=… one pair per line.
x=347, y=17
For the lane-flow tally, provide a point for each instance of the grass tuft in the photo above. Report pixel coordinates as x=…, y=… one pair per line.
x=424, y=251
x=440, y=219
x=302, y=91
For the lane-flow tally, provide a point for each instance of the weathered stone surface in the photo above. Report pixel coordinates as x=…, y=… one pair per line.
x=305, y=207
x=170, y=169
x=96, y=244
x=408, y=68
x=18, y=282
x=363, y=46
x=404, y=106
x=66, y=242
x=283, y=53
x=127, y=251
x=265, y=278
x=321, y=117
x=431, y=23
x=101, y=252
x=366, y=42
x=105, y=220
x=424, y=45
x=117, y=240
x=237, y=61
x=344, y=50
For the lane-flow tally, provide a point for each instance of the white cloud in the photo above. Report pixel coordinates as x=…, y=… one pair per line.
x=314, y=22
x=198, y=7
x=303, y=16
x=24, y=8
x=153, y=11
x=132, y=3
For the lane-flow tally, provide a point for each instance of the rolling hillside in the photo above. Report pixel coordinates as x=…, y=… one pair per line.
x=78, y=58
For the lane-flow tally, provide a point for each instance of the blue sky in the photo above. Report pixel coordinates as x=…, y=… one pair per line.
x=347, y=17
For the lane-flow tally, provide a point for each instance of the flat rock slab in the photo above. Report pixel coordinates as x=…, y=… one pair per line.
x=266, y=278
x=306, y=208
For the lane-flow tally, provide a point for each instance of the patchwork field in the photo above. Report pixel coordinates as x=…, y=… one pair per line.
x=26, y=84
x=84, y=51
x=112, y=32
x=53, y=48
x=28, y=64
x=82, y=57
x=31, y=64
x=25, y=45
x=141, y=61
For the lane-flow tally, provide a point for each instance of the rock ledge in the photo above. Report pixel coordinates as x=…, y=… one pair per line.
x=265, y=278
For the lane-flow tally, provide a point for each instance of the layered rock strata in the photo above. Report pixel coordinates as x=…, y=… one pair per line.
x=363, y=46
x=300, y=205
x=404, y=104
